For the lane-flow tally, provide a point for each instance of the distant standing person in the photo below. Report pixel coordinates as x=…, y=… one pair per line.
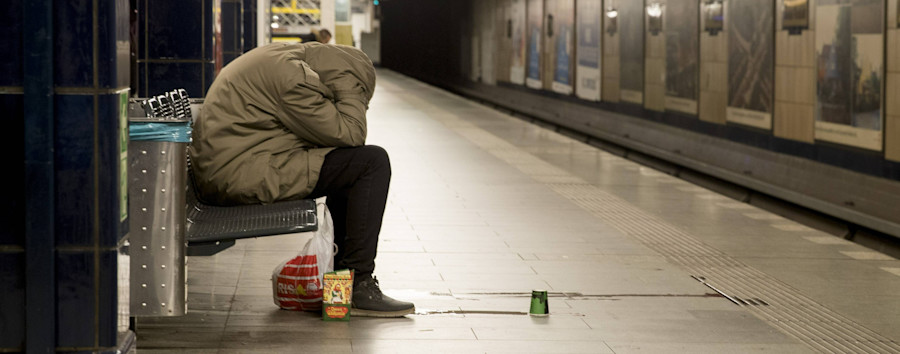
x=321, y=36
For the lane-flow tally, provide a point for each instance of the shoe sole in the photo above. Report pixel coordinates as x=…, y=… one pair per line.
x=381, y=314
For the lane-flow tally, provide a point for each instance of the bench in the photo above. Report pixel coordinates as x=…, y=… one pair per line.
x=211, y=229
x=160, y=183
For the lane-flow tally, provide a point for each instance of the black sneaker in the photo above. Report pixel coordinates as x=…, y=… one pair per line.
x=368, y=301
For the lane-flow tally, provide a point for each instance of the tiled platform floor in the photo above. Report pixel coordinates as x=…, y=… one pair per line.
x=484, y=208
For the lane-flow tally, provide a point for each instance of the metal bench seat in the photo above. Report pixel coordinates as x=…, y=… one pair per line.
x=211, y=229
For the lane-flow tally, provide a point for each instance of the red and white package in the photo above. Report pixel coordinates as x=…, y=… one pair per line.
x=297, y=282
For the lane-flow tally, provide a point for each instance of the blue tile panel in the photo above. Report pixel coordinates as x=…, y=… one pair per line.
x=11, y=42
x=176, y=40
x=12, y=300
x=114, y=47
x=109, y=141
x=82, y=299
x=175, y=29
x=166, y=76
x=249, y=25
x=76, y=305
x=75, y=174
x=13, y=230
x=109, y=298
x=232, y=18
x=73, y=36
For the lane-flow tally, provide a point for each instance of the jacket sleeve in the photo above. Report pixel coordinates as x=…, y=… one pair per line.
x=324, y=121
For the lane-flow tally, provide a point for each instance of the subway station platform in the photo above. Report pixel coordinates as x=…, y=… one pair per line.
x=485, y=207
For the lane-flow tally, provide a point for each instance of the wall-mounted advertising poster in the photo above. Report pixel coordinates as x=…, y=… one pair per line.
x=630, y=22
x=588, y=51
x=850, y=72
x=534, y=28
x=751, y=63
x=563, y=39
x=682, y=55
x=713, y=16
x=517, y=32
x=796, y=15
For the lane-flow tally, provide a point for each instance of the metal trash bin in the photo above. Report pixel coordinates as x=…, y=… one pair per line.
x=157, y=174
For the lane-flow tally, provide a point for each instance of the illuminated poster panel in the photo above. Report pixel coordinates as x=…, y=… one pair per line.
x=588, y=50
x=563, y=38
x=850, y=72
x=714, y=18
x=517, y=29
x=682, y=55
x=535, y=27
x=751, y=63
x=630, y=22
x=796, y=15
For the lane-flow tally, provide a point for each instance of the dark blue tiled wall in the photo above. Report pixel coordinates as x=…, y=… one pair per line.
x=108, y=294
x=176, y=41
x=12, y=234
x=11, y=42
x=13, y=231
x=166, y=76
x=114, y=42
x=12, y=300
x=249, y=25
x=175, y=47
x=73, y=33
x=74, y=166
x=111, y=143
x=232, y=30
x=176, y=29
x=91, y=75
x=75, y=290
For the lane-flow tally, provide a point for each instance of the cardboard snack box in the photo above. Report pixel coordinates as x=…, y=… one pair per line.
x=336, y=295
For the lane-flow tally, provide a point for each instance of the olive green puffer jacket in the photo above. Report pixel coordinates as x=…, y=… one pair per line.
x=272, y=114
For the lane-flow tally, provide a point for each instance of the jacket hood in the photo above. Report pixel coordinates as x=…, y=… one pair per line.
x=332, y=61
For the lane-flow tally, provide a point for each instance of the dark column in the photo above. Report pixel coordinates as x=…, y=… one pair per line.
x=250, y=22
x=40, y=303
x=232, y=30
x=66, y=75
x=409, y=31
x=179, y=46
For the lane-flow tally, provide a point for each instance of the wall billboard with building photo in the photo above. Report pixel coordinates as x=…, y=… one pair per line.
x=630, y=22
x=563, y=40
x=588, y=51
x=849, y=46
x=681, y=24
x=713, y=16
x=535, y=29
x=795, y=14
x=751, y=63
x=519, y=43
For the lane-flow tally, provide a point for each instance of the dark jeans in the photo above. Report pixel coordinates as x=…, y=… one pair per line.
x=355, y=182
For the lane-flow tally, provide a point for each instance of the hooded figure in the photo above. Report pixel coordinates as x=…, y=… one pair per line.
x=272, y=115
x=288, y=121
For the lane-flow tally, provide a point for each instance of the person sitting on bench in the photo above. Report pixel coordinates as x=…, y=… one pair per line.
x=288, y=121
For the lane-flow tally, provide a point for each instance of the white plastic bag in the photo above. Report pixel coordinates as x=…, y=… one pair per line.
x=297, y=282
